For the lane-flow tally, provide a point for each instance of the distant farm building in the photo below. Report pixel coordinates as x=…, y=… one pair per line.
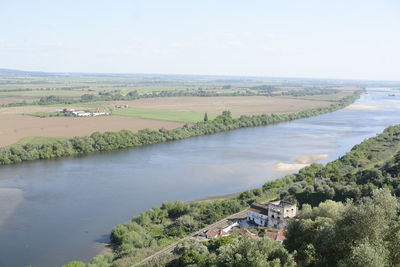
x=121, y=106
x=100, y=112
x=82, y=113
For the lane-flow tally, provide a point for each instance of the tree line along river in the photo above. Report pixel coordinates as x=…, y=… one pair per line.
x=54, y=211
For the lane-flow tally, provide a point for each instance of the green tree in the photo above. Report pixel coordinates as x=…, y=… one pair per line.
x=87, y=97
x=360, y=234
x=366, y=255
x=248, y=252
x=205, y=117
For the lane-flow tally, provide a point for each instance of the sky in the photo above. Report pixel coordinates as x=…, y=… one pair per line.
x=349, y=39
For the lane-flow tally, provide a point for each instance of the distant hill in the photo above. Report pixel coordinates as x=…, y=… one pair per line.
x=218, y=78
x=8, y=72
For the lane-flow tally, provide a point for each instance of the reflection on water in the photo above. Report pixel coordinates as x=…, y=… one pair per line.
x=68, y=205
x=10, y=198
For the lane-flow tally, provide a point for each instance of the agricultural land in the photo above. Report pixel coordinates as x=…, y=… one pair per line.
x=29, y=101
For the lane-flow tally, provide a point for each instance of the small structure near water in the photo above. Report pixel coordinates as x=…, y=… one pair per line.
x=275, y=214
x=269, y=220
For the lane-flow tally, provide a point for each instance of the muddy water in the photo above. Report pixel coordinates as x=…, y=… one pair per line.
x=61, y=210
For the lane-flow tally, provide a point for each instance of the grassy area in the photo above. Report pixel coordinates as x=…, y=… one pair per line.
x=160, y=114
x=329, y=98
x=39, y=140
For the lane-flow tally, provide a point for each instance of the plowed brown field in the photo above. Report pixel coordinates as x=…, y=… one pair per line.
x=14, y=127
x=248, y=105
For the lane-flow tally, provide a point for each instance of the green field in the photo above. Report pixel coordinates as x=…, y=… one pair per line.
x=39, y=140
x=160, y=114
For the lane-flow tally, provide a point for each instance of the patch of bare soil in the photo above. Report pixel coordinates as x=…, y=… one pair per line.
x=288, y=167
x=362, y=107
x=246, y=105
x=310, y=159
x=13, y=127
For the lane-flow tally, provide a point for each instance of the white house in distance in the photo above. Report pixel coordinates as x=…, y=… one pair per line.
x=83, y=113
x=275, y=214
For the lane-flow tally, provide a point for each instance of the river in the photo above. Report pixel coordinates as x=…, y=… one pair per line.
x=55, y=211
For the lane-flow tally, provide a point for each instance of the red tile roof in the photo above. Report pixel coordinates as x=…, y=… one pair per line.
x=247, y=232
x=213, y=233
x=278, y=236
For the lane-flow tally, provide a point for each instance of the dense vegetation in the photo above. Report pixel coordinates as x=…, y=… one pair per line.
x=269, y=90
x=356, y=234
x=370, y=165
x=362, y=231
x=235, y=250
x=123, y=139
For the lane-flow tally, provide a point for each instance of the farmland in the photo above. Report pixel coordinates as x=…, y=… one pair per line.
x=15, y=127
x=238, y=105
x=161, y=114
x=153, y=101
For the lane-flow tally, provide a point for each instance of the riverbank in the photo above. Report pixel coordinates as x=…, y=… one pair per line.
x=171, y=220
x=303, y=161
x=123, y=139
x=153, y=113
x=88, y=196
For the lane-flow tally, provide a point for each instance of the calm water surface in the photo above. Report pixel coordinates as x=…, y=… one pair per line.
x=55, y=211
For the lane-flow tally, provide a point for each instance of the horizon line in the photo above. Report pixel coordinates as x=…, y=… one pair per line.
x=191, y=74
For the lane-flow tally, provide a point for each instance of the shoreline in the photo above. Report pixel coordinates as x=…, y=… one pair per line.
x=107, y=249
x=215, y=197
x=104, y=141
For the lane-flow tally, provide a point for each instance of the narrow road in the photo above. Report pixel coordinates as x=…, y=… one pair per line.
x=171, y=247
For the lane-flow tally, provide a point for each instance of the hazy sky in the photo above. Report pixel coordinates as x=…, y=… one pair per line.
x=298, y=38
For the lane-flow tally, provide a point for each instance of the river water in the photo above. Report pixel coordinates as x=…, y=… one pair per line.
x=55, y=211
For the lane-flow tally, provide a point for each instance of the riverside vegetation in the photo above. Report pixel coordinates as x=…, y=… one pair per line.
x=349, y=206
x=123, y=139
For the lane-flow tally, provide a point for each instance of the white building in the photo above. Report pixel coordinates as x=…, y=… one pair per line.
x=81, y=113
x=220, y=231
x=258, y=214
x=274, y=214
